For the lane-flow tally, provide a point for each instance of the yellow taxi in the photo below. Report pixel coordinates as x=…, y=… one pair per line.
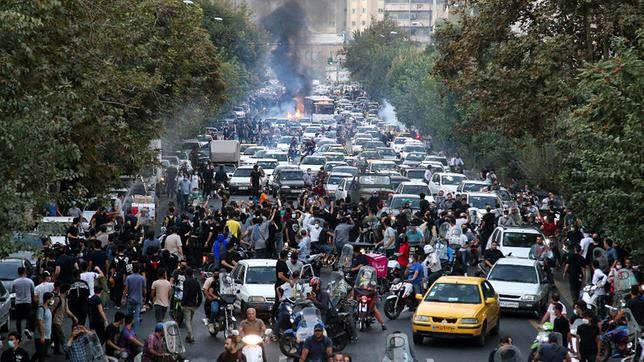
x=457, y=306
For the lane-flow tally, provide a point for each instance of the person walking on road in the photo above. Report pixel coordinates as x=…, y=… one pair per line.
x=14, y=353
x=135, y=294
x=23, y=288
x=575, y=270
x=42, y=332
x=161, y=291
x=192, y=299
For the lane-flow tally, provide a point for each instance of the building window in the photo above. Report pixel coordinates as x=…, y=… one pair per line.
x=353, y=11
x=353, y=23
x=364, y=22
x=364, y=10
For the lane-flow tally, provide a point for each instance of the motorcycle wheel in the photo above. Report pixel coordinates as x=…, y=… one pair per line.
x=363, y=325
x=605, y=352
x=390, y=309
x=288, y=346
x=340, y=342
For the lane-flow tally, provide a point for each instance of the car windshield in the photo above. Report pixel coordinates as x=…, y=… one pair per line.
x=372, y=155
x=312, y=130
x=387, y=152
x=335, y=180
x=398, y=202
x=280, y=157
x=267, y=165
x=513, y=273
x=480, y=202
x=243, y=172
x=309, y=160
x=332, y=157
x=454, y=293
x=285, y=139
x=519, y=240
x=9, y=269
x=251, y=151
x=53, y=228
x=400, y=141
x=415, y=157
x=362, y=141
x=346, y=169
x=415, y=189
x=420, y=149
x=374, y=180
x=291, y=175
x=260, y=275
x=416, y=174
x=383, y=167
x=452, y=180
x=472, y=186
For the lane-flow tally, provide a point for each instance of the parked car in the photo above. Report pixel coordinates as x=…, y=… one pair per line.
x=457, y=306
x=515, y=240
x=522, y=285
x=288, y=182
x=240, y=181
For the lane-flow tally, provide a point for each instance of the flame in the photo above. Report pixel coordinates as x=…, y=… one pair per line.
x=299, y=110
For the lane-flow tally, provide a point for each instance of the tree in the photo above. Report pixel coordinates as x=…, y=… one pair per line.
x=87, y=85
x=371, y=53
x=603, y=144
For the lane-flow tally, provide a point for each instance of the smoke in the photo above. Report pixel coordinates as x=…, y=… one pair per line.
x=287, y=25
x=388, y=114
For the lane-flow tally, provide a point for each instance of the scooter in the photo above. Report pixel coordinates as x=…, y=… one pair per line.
x=252, y=349
x=398, y=349
x=620, y=341
x=542, y=338
x=402, y=294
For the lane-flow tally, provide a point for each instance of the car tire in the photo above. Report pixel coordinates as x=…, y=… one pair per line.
x=5, y=327
x=418, y=338
x=480, y=339
x=497, y=328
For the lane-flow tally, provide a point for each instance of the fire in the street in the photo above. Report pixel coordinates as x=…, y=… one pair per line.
x=299, y=110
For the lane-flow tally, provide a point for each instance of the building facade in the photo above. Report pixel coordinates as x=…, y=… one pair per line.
x=416, y=18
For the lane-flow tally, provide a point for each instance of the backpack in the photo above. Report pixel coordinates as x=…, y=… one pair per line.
x=121, y=265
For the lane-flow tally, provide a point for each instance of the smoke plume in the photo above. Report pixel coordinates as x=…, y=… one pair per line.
x=287, y=25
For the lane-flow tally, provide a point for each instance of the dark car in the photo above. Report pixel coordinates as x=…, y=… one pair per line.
x=364, y=185
x=288, y=182
x=9, y=272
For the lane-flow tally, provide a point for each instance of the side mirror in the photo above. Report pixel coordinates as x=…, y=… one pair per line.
x=490, y=300
x=419, y=297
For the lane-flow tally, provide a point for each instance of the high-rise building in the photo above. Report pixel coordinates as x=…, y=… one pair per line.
x=361, y=13
x=416, y=18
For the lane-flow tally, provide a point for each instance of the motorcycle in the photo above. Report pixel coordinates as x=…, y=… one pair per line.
x=292, y=339
x=252, y=349
x=176, y=311
x=173, y=343
x=225, y=320
x=365, y=291
x=542, y=338
x=398, y=349
x=619, y=341
x=402, y=294
x=340, y=323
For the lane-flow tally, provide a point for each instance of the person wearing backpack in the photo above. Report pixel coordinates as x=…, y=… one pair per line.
x=42, y=332
x=118, y=272
x=60, y=310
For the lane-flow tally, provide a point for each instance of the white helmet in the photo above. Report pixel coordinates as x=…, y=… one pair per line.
x=428, y=249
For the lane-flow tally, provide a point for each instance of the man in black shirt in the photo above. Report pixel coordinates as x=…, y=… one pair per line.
x=635, y=303
x=65, y=267
x=575, y=268
x=290, y=230
x=281, y=277
x=77, y=298
x=230, y=353
x=488, y=223
x=14, y=353
x=97, y=318
x=492, y=255
x=256, y=179
x=208, y=175
x=424, y=204
x=561, y=325
x=588, y=340
x=112, y=336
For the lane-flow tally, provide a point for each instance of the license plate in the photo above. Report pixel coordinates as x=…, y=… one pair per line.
x=442, y=328
x=507, y=304
x=243, y=188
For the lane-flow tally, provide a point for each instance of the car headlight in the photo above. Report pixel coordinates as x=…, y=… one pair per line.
x=470, y=321
x=256, y=299
x=530, y=297
x=286, y=187
x=421, y=318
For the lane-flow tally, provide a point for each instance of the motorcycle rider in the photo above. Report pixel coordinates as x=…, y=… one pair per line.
x=211, y=294
x=319, y=297
x=371, y=290
x=154, y=345
x=432, y=264
x=540, y=251
x=317, y=347
x=252, y=325
x=415, y=275
x=230, y=353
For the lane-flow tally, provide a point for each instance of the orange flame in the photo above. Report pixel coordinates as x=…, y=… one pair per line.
x=299, y=110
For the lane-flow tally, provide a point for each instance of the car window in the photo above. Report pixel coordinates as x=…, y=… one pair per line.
x=242, y=274
x=454, y=293
x=488, y=290
x=435, y=178
x=519, y=240
x=261, y=275
x=513, y=274
x=3, y=290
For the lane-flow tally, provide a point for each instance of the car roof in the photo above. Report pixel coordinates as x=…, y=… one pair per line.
x=340, y=174
x=483, y=194
x=457, y=279
x=387, y=162
x=259, y=262
x=516, y=261
x=405, y=196
x=265, y=160
x=291, y=169
x=449, y=174
x=413, y=183
x=519, y=229
x=245, y=166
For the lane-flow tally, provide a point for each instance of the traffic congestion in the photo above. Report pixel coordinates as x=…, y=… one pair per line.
x=306, y=235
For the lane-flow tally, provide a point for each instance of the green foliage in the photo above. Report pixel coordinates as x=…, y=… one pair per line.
x=85, y=86
x=603, y=144
x=371, y=53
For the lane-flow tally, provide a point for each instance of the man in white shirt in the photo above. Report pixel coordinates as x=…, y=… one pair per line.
x=173, y=243
x=599, y=281
x=90, y=276
x=428, y=174
x=315, y=230
x=585, y=243
x=286, y=290
x=45, y=286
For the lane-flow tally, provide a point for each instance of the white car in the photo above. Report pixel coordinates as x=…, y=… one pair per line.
x=358, y=144
x=240, y=182
x=249, y=152
x=413, y=148
x=521, y=284
x=310, y=132
x=284, y=143
x=515, y=240
x=332, y=156
x=335, y=178
x=280, y=156
x=446, y=181
x=268, y=165
x=415, y=174
x=399, y=200
x=442, y=159
x=399, y=143
x=414, y=187
x=436, y=166
x=479, y=201
x=383, y=167
x=313, y=162
x=388, y=154
x=254, y=284
x=342, y=191
x=413, y=159
x=472, y=186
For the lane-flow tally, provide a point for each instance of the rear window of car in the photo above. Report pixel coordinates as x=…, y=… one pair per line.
x=519, y=240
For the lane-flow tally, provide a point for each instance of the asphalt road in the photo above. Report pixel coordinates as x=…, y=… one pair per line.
x=371, y=344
